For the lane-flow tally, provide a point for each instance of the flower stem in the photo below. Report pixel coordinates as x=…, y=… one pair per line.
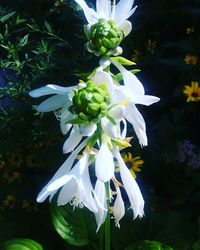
x=107, y=222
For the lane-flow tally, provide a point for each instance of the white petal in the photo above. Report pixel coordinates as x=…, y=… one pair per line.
x=67, y=192
x=64, y=118
x=130, y=80
x=131, y=187
x=52, y=103
x=59, y=182
x=135, y=118
x=126, y=27
x=103, y=77
x=123, y=10
x=50, y=89
x=88, y=130
x=90, y=14
x=103, y=8
x=118, y=207
x=104, y=166
x=117, y=112
x=138, y=99
x=100, y=191
x=63, y=170
x=72, y=141
x=109, y=128
x=85, y=187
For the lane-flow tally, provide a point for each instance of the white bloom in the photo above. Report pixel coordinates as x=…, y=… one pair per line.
x=119, y=12
x=104, y=166
x=129, y=94
x=118, y=208
x=131, y=187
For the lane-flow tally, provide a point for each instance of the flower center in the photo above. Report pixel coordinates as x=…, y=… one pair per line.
x=105, y=37
x=91, y=101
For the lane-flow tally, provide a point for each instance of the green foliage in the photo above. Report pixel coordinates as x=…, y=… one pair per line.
x=20, y=244
x=148, y=245
x=76, y=226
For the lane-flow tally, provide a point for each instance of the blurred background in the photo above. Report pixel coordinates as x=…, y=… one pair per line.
x=42, y=42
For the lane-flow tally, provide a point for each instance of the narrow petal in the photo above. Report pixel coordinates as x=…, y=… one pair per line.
x=103, y=8
x=104, y=166
x=126, y=27
x=112, y=130
x=118, y=207
x=52, y=103
x=63, y=170
x=103, y=77
x=123, y=10
x=130, y=80
x=49, y=90
x=131, y=187
x=88, y=130
x=138, y=99
x=89, y=13
x=135, y=118
x=100, y=191
x=67, y=192
x=72, y=141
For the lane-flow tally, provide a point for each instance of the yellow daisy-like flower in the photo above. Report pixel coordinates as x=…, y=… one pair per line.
x=150, y=45
x=191, y=59
x=189, y=30
x=136, y=56
x=192, y=92
x=134, y=163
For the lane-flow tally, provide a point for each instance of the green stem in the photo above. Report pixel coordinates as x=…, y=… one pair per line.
x=107, y=222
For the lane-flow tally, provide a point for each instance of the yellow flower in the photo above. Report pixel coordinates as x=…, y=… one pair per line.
x=12, y=177
x=134, y=163
x=29, y=205
x=191, y=59
x=2, y=164
x=15, y=159
x=9, y=202
x=189, y=30
x=32, y=161
x=150, y=45
x=136, y=56
x=192, y=92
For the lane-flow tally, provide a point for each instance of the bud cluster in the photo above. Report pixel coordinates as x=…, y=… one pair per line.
x=104, y=37
x=91, y=101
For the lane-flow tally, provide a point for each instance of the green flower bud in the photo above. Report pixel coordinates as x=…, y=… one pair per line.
x=104, y=37
x=90, y=102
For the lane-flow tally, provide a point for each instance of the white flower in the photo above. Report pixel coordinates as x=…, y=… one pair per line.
x=131, y=187
x=118, y=208
x=115, y=16
x=119, y=12
x=129, y=94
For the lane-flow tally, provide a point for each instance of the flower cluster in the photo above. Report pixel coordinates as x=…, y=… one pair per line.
x=93, y=115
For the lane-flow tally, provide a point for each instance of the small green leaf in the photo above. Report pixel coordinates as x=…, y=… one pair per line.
x=7, y=16
x=20, y=244
x=119, y=76
x=121, y=60
x=24, y=40
x=71, y=224
x=148, y=245
x=47, y=25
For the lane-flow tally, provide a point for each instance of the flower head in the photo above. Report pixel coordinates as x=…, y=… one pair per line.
x=192, y=92
x=107, y=26
x=191, y=59
x=134, y=163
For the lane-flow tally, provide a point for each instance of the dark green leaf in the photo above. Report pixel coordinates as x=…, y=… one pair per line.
x=20, y=244
x=71, y=224
x=148, y=245
x=7, y=16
